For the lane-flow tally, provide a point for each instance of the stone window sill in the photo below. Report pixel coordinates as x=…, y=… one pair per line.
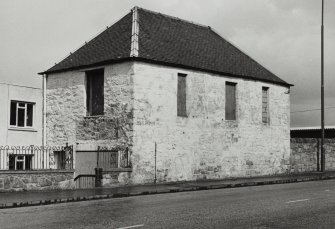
x=231, y=121
x=29, y=129
x=94, y=116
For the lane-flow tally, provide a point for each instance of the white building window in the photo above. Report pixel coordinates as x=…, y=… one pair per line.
x=21, y=114
x=20, y=162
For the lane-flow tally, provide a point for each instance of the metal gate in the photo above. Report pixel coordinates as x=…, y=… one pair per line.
x=105, y=159
x=63, y=158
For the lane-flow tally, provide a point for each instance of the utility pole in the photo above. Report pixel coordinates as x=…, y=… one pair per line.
x=323, y=158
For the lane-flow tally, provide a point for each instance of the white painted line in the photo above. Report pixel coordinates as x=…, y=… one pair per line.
x=294, y=201
x=134, y=226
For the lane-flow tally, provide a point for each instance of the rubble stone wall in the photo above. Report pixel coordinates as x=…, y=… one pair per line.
x=66, y=107
x=66, y=103
x=116, y=178
x=35, y=180
x=304, y=153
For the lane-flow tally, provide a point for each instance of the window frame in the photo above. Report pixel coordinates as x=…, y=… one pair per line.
x=89, y=75
x=25, y=108
x=181, y=111
x=267, y=120
x=235, y=100
x=26, y=161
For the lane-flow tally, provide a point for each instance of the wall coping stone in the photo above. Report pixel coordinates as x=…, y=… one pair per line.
x=117, y=170
x=311, y=140
x=44, y=171
x=304, y=140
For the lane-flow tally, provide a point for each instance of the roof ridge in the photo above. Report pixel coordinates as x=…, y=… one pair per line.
x=134, y=45
x=175, y=18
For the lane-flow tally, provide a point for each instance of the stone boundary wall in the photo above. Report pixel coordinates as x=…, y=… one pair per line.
x=306, y=151
x=35, y=180
x=116, y=178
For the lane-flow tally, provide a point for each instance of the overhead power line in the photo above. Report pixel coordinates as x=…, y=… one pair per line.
x=317, y=109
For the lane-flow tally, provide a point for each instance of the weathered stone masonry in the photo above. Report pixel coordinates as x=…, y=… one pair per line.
x=204, y=145
x=66, y=108
x=142, y=99
x=35, y=180
x=304, y=154
x=67, y=121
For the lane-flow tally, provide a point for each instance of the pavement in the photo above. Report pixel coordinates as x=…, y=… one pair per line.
x=289, y=205
x=35, y=198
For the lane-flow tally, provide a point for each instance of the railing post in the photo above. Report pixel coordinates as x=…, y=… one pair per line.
x=27, y=155
x=128, y=158
x=98, y=156
x=98, y=177
x=119, y=159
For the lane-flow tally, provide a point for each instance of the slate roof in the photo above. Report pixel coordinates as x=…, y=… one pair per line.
x=167, y=40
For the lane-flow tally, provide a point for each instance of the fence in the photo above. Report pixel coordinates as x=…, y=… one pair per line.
x=36, y=157
x=112, y=158
x=85, y=181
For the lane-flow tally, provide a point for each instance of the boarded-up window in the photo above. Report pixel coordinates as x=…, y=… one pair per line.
x=181, y=95
x=95, y=92
x=230, y=101
x=265, y=104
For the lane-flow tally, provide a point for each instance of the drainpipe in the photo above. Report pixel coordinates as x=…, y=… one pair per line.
x=44, y=110
x=155, y=180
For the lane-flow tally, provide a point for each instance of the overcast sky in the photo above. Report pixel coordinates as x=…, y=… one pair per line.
x=282, y=35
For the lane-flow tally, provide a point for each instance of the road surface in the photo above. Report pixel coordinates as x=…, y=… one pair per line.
x=297, y=205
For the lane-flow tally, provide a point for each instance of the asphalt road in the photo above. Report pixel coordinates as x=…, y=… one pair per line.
x=297, y=205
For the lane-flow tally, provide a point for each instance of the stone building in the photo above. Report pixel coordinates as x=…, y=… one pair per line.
x=186, y=102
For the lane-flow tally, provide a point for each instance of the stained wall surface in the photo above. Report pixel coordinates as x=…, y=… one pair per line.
x=140, y=106
x=204, y=145
x=67, y=120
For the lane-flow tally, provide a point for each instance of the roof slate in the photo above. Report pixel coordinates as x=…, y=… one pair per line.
x=111, y=44
x=168, y=40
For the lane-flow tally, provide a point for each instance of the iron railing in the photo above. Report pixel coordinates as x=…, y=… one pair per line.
x=105, y=160
x=110, y=158
x=36, y=157
x=85, y=181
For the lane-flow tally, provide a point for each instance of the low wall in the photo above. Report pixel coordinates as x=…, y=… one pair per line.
x=116, y=177
x=35, y=180
x=306, y=154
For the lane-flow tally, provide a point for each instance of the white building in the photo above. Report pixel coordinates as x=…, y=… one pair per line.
x=20, y=126
x=21, y=115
